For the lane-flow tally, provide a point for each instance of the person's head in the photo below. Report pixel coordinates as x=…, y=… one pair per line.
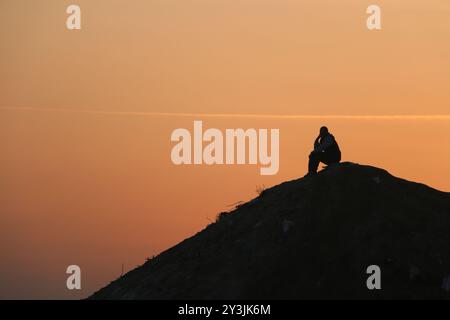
x=323, y=131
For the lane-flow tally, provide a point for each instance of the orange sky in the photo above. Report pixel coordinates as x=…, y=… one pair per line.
x=99, y=189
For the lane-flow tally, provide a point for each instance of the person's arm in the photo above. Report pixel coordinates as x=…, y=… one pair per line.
x=316, y=142
x=324, y=143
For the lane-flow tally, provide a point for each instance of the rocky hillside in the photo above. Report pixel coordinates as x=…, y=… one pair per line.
x=313, y=237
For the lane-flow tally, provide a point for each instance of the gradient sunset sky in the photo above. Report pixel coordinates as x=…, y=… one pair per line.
x=86, y=116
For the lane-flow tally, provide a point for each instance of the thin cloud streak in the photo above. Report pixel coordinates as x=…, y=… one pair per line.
x=238, y=115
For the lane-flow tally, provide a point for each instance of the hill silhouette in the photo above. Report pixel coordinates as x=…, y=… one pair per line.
x=310, y=238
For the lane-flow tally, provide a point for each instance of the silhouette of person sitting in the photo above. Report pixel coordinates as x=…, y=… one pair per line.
x=326, y=150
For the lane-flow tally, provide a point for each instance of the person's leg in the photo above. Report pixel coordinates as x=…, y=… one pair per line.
x=314, y=160
x=330, y=158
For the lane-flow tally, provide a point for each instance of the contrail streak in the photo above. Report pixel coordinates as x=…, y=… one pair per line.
x=240, y=115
